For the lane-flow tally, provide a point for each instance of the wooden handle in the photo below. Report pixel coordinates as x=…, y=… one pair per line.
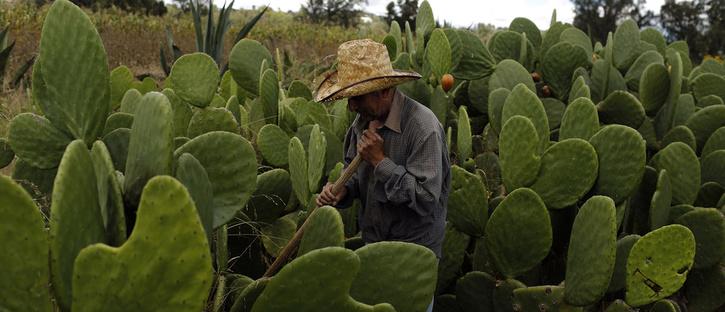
x=346, y=175
x=294, y=242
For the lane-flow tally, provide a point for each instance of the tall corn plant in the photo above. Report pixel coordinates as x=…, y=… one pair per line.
x=210, y=41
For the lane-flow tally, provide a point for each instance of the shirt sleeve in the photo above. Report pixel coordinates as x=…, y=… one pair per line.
x=418, y=184
x=350, y=149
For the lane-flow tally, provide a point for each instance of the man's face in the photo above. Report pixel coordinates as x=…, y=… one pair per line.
x=366, y=105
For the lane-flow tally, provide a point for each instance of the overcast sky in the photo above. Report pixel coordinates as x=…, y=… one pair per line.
x=463, y=13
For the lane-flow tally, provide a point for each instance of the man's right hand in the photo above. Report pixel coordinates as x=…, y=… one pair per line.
x=327, y=198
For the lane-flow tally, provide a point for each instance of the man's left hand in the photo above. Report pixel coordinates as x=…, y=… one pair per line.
x=370, y=147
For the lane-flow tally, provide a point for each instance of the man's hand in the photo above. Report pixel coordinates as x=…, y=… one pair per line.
x=370, y=147
x=327, y=198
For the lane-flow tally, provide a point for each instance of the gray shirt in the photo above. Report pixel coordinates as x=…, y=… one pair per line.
x=404, y=198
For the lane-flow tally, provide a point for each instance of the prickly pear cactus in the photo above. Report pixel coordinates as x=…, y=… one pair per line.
x=35, y=140
x=591, y=253
x=334, y=269
x=568, y=171
x=708, y=227
x=151, y=145
x=518, y=153
x=399, y=273
x=168, y=248
x=24, y=267
x=230, y=162
x=195, y=78
x=622, y=154
x=245, y=61
x=212, y=119
x=683, y=166
x=518, y=233
x=6, y=153
x=467, y=202
x=580, y=120
x=270, y=197
x=324, y=229
x=658, y=263
x=69, y=38
x=273, y=143
x=110, y=199
x=75, y=203
x=193, y=176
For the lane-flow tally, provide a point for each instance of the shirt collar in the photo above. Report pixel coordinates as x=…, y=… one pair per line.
x=393, y=120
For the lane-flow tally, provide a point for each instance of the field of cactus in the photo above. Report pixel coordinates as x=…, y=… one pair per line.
x=585, y=178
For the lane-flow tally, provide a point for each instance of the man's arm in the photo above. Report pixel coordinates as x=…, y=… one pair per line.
x=418, y=184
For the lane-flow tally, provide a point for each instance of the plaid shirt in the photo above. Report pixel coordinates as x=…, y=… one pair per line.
x=404, y=198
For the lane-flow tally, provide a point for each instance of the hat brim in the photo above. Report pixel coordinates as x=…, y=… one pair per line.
x=329, y=90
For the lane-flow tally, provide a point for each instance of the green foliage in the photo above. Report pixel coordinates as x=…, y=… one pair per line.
x=591, y=253
x=75, y=201
x=518, y=233
x=656, y=269
x=25, y=267
x=168, y=242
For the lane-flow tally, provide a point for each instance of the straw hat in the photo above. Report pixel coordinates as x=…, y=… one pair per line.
x=363, y=66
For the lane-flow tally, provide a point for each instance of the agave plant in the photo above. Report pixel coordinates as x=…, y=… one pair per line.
x=209, y=40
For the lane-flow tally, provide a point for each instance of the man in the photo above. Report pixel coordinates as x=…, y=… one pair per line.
x=404, y=179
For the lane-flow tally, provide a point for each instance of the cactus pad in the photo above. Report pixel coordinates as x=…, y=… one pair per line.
x=463, y=135
x=467, y=202
x=194, y=177
x=438, y=53
x=118, y=120
x=212, y=119
x=273, y=142
x=524, y=102
x=683, y=166
x=75, y=218
x=130, y=101
x=325, y=229
x=541, y=298
x=334, y=269
x=622, y=153
x=402, y=274
x=496, y=100
x=474, y=291
x=706, y=121
x=316, y=158
x=713, y=167
x=508, y=74
x=518, y=155
x=110, y=199
x=653, y=87
x=580, y=120
x=270, y=197
x=658, y=263
x=680, y=134
x=705, y=289
x=621, y=107
x=619, y=276
x=68, y=39
x=592, y=252
x=298, y=169
x=24, y=267
x=6, y=153
x=518, y=233
x=231, y=164
x=708, y=84
x=195, y=78
x=168, y=249
x=568, y=171
x=659, y=211
x=708, y=226
x=151, y=146
x=35, y=140
x=245, y=61
x=454, y=252
x=559, y=63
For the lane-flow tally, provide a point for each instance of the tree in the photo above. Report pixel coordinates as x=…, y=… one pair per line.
x=405, y=11
x=148, y=7
x=715, y=10
x=685, y=21
x=345, y=13
x=599, y=17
